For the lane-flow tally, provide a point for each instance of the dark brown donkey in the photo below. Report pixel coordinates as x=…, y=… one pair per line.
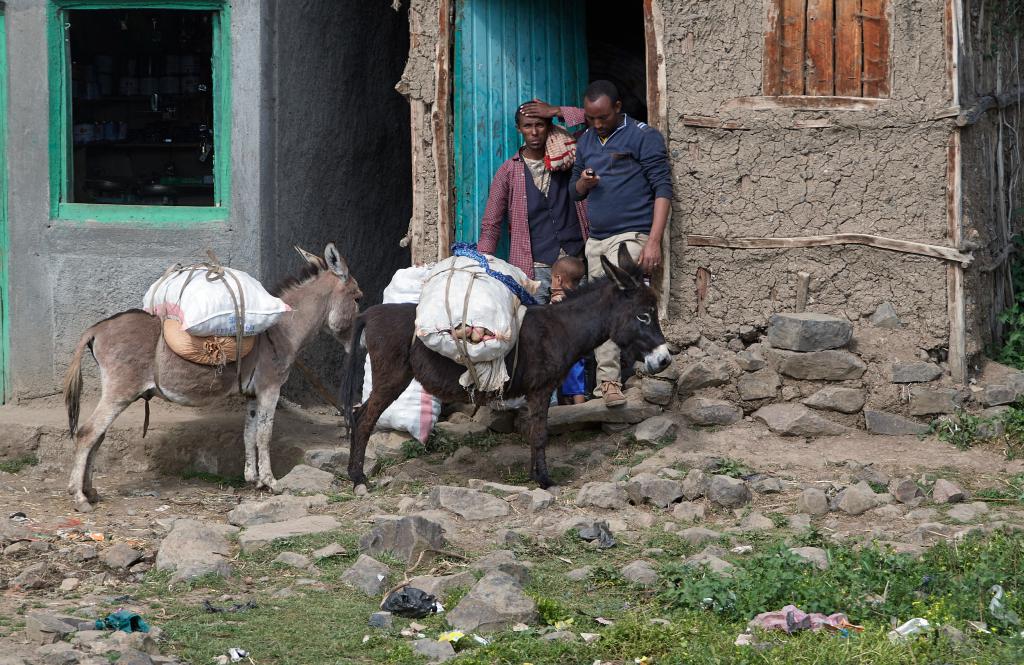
x=553, y=337
x=135, y=364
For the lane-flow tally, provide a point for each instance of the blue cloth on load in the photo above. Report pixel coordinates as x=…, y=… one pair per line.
x=470, y=252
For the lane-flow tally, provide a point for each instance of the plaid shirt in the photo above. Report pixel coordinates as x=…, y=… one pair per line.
x=508, y=199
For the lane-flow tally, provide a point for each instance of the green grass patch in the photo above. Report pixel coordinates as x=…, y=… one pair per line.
x=19, y=463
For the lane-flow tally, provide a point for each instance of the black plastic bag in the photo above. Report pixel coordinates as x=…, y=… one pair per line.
x=410, y=602
x=600, y=532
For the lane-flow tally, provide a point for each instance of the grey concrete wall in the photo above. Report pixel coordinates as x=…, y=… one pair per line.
x=66, y=276
x=341, y=146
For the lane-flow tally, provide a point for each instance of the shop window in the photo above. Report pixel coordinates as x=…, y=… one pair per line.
x=827, y=48
x=139, y=96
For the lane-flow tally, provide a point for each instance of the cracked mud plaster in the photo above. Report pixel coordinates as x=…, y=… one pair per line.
x=747, y=286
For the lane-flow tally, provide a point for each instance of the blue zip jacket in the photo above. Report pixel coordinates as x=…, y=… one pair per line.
x=633, y=166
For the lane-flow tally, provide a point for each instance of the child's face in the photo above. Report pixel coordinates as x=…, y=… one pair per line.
x=561, y=281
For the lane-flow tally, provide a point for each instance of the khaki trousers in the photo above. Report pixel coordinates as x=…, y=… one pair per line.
x=607, y=355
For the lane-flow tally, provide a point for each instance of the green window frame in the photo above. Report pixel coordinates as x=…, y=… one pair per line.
x=59, y=72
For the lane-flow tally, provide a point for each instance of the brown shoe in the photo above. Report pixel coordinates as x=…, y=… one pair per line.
x=612, y=393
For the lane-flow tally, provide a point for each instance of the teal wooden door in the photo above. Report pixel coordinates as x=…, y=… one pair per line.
x=507, y=52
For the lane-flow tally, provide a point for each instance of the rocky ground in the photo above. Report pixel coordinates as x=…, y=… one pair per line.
x=211, y=566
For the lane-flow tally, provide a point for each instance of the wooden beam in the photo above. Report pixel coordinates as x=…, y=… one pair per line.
x=820, y=77
x=771, y=59
x=955, y=304
x=442, y=150
x=794, y=19
x=848, y=63
x=711, y=123
x=891, y=244
x=973, y=114
x=875, y=33
x=802, y=103
x=657, y=117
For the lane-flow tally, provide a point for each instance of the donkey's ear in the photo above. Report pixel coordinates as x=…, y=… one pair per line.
x=619, y=277
x=310, y=257
x=627, y=263
x=335, y=263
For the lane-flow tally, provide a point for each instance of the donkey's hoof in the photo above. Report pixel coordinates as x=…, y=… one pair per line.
x=544, y=482
x=360, y=490
x=83, y=506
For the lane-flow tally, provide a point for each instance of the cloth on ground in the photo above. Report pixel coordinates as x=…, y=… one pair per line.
x=129, y=622
x=792, y=619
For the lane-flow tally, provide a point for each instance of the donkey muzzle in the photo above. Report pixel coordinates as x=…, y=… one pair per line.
x=657, y=360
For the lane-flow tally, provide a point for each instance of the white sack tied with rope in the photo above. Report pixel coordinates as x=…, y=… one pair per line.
x=415, y=411
x=468, y=316
x=207, y=301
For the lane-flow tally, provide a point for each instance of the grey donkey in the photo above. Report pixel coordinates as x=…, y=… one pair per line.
x=135, y=364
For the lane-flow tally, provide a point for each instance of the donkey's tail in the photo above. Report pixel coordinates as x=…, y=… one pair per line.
x=350, y=386
x=73, y=381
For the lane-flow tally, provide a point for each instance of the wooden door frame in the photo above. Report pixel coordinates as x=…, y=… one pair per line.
x=657, y=117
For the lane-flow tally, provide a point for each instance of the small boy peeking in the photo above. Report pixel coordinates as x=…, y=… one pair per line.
x=566, y=274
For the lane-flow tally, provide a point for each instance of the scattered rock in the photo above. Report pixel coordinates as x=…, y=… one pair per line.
x=808, y=331
x=293, y=559
x=997, y=394
x=819, y=365
x=120, y=556
x=381, y=620
x=656, y=430
x=888, y=512
x=696, y=535
x=332, y=459
x=967, y=512
x=193, y=549
x=462, y=430
x=303, y=478
x=440, y=586
x=405, y=537
x=728, y=492
x=755, y=521
x=695, y=485
x=434, y=651
x=812, y=501
x=711, y=558
x=602, y=495
x=579, y=574
x=933, y=532
x=387, y=445
x=657, y=391
x=504, y=561
x=649, y=488
x=750, y=360
x=762, y=384
x=915, y=372
x=800, y=521
x=707, y=411
x=367, y=575
x=467, y=503
x=334, y=549
x=495, y=603
x=37, y=576
x=497, y=420
x=689, y=511
x=275, y=509
x=885, y=317
x=560, y=636
x=534, y=500
x=133, y=657
x=880, y=422
x=640, y=572
x=837, y=398
x=69, y=584
x=83, y=553
x=791, y=419
x=497, y=489
x=857, y=499
x=45, y=629
x=704, y=373
x=905, y=490
x=815, y=555
x=946, y=492
x=767, y=486
x=260, y=535
x=937, y=400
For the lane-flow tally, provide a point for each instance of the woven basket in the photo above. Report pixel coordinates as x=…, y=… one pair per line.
x=203, y=350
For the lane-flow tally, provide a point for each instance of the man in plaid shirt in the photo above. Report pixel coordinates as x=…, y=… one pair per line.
x=544, y=220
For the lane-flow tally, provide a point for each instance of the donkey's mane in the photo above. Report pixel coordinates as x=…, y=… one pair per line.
x=308, y=272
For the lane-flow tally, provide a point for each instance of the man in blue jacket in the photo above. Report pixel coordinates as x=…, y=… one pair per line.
x=622, y=171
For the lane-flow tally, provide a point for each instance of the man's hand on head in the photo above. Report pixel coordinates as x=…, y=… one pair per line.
x=539, y=109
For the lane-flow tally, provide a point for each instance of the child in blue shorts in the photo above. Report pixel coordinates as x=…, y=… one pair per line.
x=566, y=274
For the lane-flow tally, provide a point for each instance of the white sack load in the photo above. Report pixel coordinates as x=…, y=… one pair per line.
x=415, y=411
x=205, y=308
x=471, y=317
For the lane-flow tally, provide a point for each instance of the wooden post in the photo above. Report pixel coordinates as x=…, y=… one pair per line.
x=771, y=66
x=875, y=32
x=657, y=96
x=820, y=69
x=802, y=287
x=955, y=306
x=440, y=125
x=848, y=61
x=794, y=19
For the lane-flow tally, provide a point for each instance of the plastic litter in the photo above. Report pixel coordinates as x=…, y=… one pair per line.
x=129, y=622
x=599, y=531
x=915, y=626
x=237, y=653
x=451, y=636
x=998, y=610
x=792, y=619
x=18, y=517
x=237, y=607
x=411, y=603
